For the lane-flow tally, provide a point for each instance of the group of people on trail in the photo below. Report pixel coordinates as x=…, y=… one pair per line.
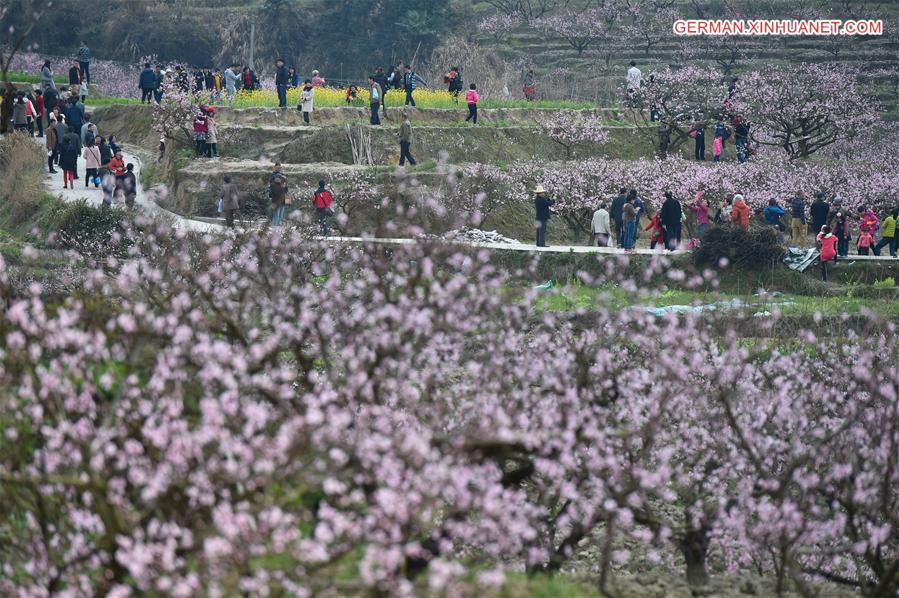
x=618, y=224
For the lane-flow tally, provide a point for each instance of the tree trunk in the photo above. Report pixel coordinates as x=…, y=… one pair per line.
x=695, y=548
x=5, y=111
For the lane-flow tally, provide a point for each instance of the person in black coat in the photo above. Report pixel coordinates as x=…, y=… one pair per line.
x=616, y=213
x=671, y=215
x=281, y=81
x=68, y=158
x=146, y=83
x=820, y=209
x=542, y=204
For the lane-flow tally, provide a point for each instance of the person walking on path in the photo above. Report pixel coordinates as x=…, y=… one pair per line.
x=374, y=99
x=798, y=225
x=700, y=209
x=281, y=81
x=411, y=81
x=92, y=162
x=670, y=217
x=129, y=185
x=232, y=78
x=51, y=142
x=405, y=136
x=47, y=81
x=322, y=199
x=739, y=213
x=819, y=211
x=600, y=226
x=307, y=100
x=542, y=204
x=68, y=159
x=84, y=62
x=629, y=214
x=147, y=84
x=277, y=183
x=230, y=201
x=888, y=234
x=827, y=242
x=617, y=215
x=471, y=98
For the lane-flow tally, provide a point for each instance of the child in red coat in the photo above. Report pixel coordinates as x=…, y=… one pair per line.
x=658, y=231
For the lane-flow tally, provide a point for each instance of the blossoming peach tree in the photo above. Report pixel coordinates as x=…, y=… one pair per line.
x=263, y=413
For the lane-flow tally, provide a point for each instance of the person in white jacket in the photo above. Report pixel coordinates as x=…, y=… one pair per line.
x=602, y=231
x=634, y=80
x=307, y=98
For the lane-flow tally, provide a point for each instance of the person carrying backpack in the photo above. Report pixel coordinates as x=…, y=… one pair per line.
x=322, y=199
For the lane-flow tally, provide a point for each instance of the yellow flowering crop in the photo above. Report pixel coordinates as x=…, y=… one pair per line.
x=331, y=97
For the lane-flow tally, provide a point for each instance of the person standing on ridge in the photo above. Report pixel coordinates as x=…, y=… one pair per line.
x=281, y=81
x=374, y=100
x=84, y=62
x=471, y=98
x=405, y=136
x=307, y=100
x=411, y=81
x=542, y=204
x=634, y=79
x=147, y=84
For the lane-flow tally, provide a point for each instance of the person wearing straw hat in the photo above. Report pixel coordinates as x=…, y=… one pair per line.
x=542, y=204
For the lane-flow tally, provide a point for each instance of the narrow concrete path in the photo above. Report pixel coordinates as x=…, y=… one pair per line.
x=144, y=200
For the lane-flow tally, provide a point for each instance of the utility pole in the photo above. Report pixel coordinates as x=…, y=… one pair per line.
x=253, y=44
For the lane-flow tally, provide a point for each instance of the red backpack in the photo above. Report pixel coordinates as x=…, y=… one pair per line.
x=323, y=199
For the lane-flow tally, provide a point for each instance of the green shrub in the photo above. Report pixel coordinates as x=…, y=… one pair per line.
x=87, y=229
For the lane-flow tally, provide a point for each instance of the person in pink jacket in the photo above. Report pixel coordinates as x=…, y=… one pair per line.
x=471, y=98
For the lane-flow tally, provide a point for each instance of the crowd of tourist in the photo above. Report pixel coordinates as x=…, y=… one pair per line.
x=618, y=224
